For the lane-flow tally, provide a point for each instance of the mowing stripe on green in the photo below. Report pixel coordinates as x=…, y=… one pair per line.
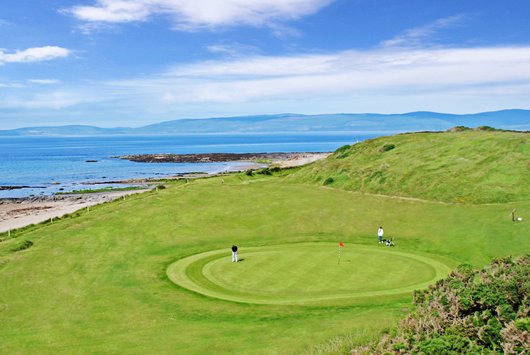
x=305, y=273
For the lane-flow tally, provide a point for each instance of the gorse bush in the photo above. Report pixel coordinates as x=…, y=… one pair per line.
x=22, y=246
x=268, y=171
x=459, y=129
x=470, y=311
x=264, y=171
x=343, y=152
x=387, y=147
x=328, y=181
x=485, y=128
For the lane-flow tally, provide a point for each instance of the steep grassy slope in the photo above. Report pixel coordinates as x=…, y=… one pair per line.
x=467, y=167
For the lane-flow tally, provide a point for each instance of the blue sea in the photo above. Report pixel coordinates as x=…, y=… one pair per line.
x=52, y=164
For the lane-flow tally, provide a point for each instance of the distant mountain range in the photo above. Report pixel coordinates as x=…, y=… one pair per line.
x=361, y=122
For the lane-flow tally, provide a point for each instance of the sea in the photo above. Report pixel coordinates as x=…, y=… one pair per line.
x=49, y=165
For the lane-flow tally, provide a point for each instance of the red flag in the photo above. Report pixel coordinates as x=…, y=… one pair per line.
x=340, y=244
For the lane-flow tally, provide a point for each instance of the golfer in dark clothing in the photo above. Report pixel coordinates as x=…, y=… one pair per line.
x=234, y=253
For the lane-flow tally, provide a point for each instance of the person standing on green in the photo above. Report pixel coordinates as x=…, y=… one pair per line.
x=234, y=253
x=380, y=233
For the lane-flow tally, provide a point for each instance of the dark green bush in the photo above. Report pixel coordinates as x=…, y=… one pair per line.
x=343, y=149
x=387, y=147
x=343, y=152
x=459, y=129
x=328, y=181
x=485, y=128
x=264, y=171
x=22, y=246
x=249, y=173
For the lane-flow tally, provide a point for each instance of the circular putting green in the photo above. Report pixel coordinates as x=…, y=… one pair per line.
x=305, y=273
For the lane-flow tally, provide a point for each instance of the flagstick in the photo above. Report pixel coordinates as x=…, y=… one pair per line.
x=339, y=256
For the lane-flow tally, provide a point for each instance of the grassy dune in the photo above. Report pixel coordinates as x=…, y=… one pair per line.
x=464, y=167
x=97, y=282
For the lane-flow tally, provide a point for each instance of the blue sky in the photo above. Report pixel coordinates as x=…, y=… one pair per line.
x=135, y=62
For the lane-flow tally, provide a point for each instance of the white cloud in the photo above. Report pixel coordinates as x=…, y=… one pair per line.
x=196, y=14
x=379, y=80
x=53, y=100
x=36, y=54
x=417, y=36
x=43, y=81
x=382, y=71
x=233, y=49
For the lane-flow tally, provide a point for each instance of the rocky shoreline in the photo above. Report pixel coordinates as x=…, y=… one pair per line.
x=272, y=158
x=20, y=212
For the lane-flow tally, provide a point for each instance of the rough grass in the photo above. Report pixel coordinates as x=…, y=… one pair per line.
x=457, y=167
x=97, y=283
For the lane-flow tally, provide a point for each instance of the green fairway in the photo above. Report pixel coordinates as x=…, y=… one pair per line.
x=98, y=283
x=306, y=273
x=152, y=273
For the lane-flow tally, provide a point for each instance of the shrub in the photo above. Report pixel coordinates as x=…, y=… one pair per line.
x=264, y=171
x=459, y=129
x=387, y=147
x=470, y=311
x=249, y=173
x=22, y=246
x=343, y=152
x=485, y=128
x=161, y=187
x=328, y=181
x=523, y=324
x=343, y=148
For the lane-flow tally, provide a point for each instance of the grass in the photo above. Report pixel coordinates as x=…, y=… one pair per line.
x=306, y=273
x=456, y=167
x=97, y=282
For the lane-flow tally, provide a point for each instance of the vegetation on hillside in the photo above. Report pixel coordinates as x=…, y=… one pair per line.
x=470, y=311
x=460, y=166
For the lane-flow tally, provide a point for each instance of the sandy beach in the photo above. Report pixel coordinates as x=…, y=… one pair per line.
x=299, y=159
x=20, y=212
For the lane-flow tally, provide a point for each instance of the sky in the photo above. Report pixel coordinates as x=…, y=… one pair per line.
x=130, y=63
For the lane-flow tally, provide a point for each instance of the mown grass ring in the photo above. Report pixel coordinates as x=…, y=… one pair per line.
x=305, y=273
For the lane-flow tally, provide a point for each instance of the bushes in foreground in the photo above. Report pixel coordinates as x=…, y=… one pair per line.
x=470, y=311
x=22, y=246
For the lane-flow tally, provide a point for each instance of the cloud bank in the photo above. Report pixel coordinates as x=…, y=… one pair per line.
x=380, y=71
x=192, y=15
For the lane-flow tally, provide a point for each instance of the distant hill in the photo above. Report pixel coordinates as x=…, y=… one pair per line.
x=467, y=166
x=365, y=122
